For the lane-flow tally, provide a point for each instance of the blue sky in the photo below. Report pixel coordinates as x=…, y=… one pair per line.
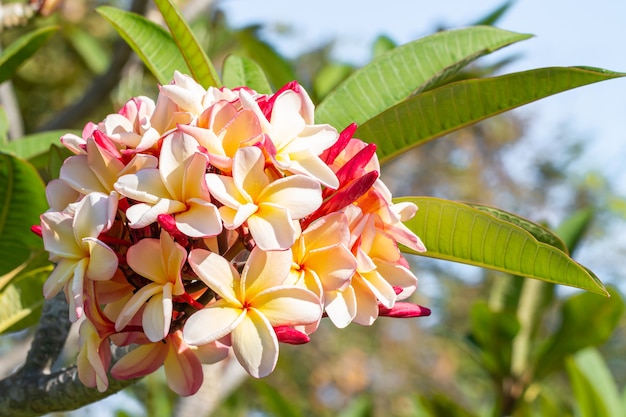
x=589, y=33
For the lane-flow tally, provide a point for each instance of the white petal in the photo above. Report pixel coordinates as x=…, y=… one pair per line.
x=135, y=303
x=299, y=194
x=340, y=307
x=145, y=185
x=288, y=306
x=255, y=344
x=102, y=260
x=202, y=219
x=217, y=273
x=211, y=324
x=271, y=227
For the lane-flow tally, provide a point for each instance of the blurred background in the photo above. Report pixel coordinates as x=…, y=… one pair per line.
x=557, y=161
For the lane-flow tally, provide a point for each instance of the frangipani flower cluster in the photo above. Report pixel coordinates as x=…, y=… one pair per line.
x=217, y=221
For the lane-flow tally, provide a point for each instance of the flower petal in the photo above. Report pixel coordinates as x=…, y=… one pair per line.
x=340, y=306
x=255, y=344
x=102, y=260
x=212, y=323
x=264, y=270
x=217, y=273
x=271, y=227
x=141, y=361
x=202, y=219
x=183, y=369
x=288, y=306
x=299, y=194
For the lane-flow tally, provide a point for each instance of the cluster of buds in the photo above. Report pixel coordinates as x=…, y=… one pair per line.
x=219, y=221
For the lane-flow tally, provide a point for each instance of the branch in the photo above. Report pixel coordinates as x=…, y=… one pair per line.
x=31, y=392
x=23, y=395
x=49, y=337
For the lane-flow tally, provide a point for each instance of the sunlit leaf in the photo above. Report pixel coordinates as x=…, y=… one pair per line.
x=22, y=200
x=277, y=69
x=198, y=62
x=276, y=402
x=4, y=129
x=21, y=296
x=407, y=70
x=595, y=390
x=381, y=45
x=457, y=232
x=436, y=112
x=329, y=77
x=542, y=234
x=36, y=144
x=493, y=333
x=586, y=320
x=240, y=71
x=153, y=44
x=22, y=49
x=88, y=47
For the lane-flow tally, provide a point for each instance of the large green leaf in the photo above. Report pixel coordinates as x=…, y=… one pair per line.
x=153, y=44
x=240, y=71
x=278, y=70
x=22, y=200
x=406, y=70
x=197, y=60
x=36, y=144
x=88, y=47
x=453, y=106
x=542, y=234
x=458, y=232
x=492, y=333
x=586, y=320
x=22, y=49
x=594, y=388
x=21, y=296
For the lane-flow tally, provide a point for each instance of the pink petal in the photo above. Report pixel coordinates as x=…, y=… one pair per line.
x=141, y=361
x=183, y=369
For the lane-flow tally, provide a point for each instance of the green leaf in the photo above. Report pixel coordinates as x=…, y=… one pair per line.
x=239, y=71
x=36, y=144
x=453, y=106
x=276, y=402
x=329, y=77
x=153, y=44
x=277, y=68
x=493, y=333
x=22, y=200
x=89, y=48
x=406, y=70
x=381, y=45
x=361, y=406
x=493, y=17
x=595, y=390
x=22, y=49
x=542, y=234
x=574, y=227
x=586, y=320
x=198, y=62
x=21, y=296
x=4, y=128
x=460, y=233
